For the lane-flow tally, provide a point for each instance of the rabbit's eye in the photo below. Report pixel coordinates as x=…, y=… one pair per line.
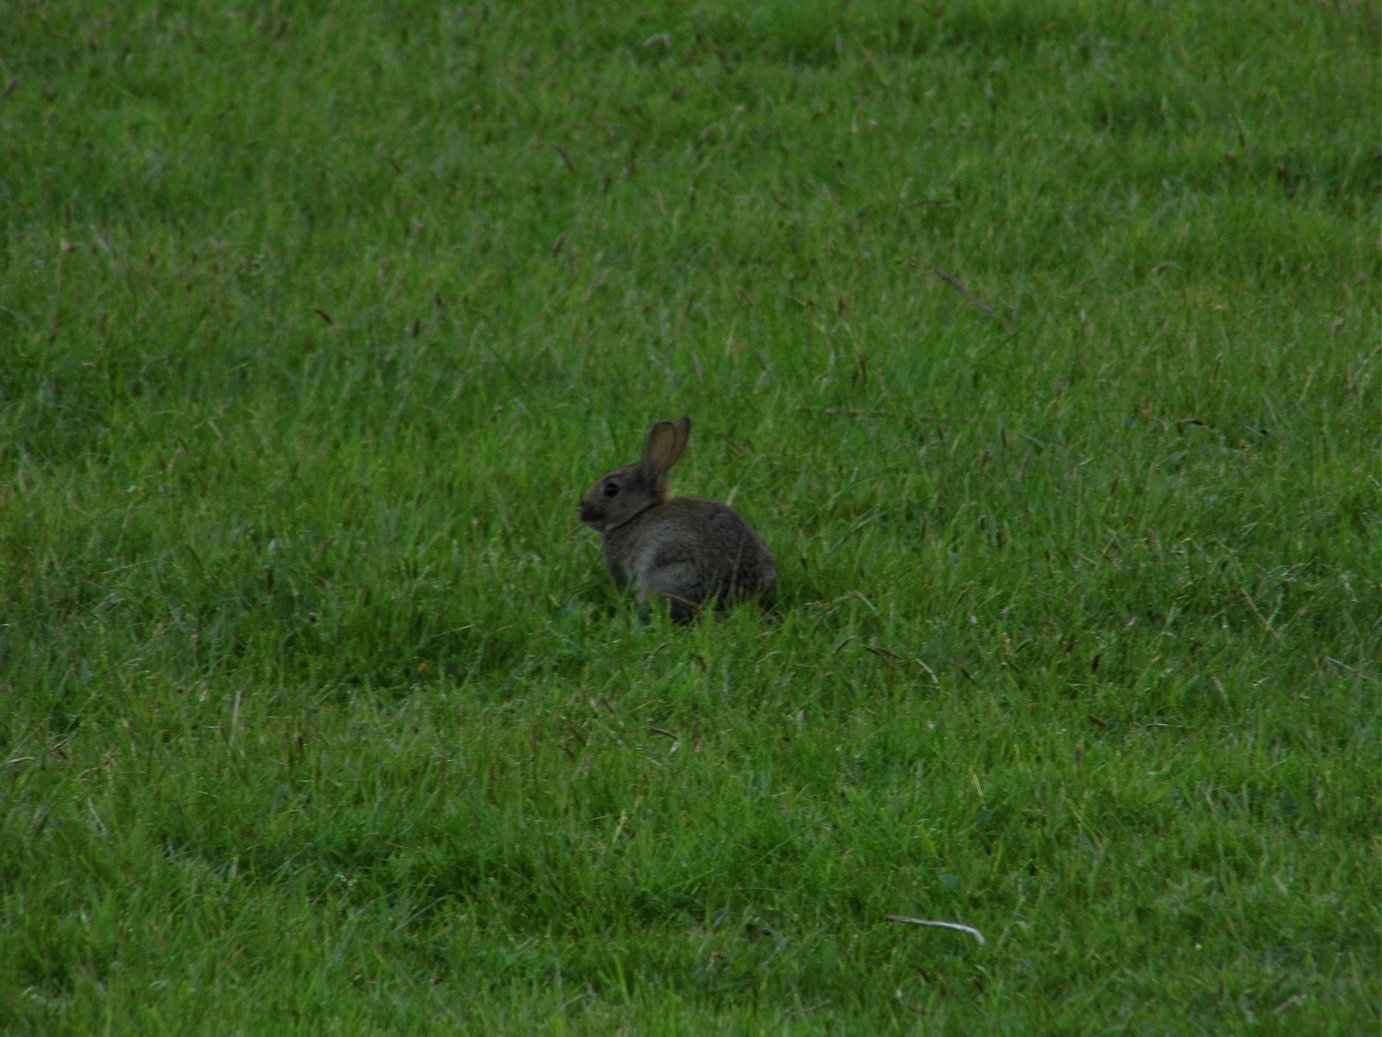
x=610, y=489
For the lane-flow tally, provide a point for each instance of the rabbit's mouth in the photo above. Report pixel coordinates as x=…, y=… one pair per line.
x=592, y=516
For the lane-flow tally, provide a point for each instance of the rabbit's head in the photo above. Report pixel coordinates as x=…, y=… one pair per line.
x=626, y=493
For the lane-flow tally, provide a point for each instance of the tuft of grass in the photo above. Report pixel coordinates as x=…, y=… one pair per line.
x=1039, y=340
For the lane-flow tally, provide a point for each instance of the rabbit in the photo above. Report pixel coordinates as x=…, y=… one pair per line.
x=684, y=551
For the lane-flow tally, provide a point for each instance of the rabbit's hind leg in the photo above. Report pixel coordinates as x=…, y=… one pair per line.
x=678, y=585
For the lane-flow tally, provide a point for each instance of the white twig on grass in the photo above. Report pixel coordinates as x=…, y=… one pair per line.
x=958, y=927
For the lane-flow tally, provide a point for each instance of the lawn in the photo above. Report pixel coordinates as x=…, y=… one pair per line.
x=1039, y=340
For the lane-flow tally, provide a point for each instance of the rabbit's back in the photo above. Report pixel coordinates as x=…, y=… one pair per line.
x=689, y=551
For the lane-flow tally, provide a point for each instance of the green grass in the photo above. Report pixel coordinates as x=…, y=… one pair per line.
x=1039, y=340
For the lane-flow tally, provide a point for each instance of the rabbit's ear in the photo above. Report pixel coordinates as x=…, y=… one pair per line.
x=664, y=447
x=683, y=428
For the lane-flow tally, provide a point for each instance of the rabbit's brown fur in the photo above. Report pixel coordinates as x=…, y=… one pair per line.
x=683, y=551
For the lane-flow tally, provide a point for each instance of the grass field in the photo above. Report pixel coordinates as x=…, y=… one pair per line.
x=1039, y=340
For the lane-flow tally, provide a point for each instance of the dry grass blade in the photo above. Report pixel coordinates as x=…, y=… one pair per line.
x=958, y=927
